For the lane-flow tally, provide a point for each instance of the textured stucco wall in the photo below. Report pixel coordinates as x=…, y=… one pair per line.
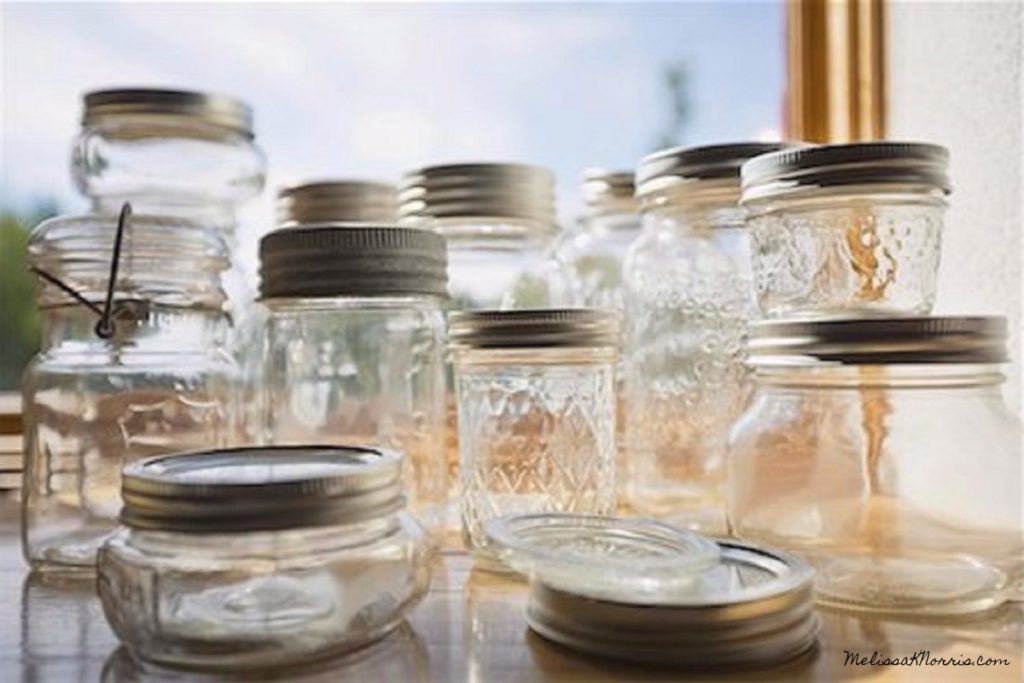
x=955, y=79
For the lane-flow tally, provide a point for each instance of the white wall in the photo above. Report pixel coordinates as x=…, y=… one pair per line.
x=955, y=79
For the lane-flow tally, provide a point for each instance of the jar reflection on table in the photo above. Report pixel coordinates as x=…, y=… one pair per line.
x=163, y=382
x=882, y=451
x=688, y=297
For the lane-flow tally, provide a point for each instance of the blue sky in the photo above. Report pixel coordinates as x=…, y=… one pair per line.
x=370, y=90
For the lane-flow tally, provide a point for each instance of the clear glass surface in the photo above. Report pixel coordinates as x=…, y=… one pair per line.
x=261, y=599
x=901, y=484
x=536, y=434
x=361, y=371
x=688, y=299
x=594, y=255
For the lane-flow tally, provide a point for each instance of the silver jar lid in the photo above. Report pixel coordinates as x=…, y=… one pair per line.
x=539, y=328
x=346, y=260
x=680, y=166
x=868, y=341
x=606, y=192
x=216, y=110
x=261, y=488
x=862, y=163
x=460, y=192
x=333, y=201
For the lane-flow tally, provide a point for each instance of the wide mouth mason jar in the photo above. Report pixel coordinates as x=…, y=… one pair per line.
x=881, y=451
x=536, y=397
x=850, y=230
x=262, y=557
x=337, y=201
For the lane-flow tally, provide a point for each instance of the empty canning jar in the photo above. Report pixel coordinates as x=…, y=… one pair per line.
x=536, y=394
x=160, y=380
x=850, y=230
x=337, y=201
x=688, y=298
x=499, y=220
x=354, y=346
x=262, y=557
x=881, y=450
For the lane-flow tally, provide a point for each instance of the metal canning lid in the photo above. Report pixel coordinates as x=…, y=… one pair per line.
x=330, y=201
x=459, y=192
x=863, y=163
x=352, y=260
x=867, y=341
x=536, y=328
x=607, y=192
x=601, y=556
x=261, y=488
x=217, y=110
x=678, y=166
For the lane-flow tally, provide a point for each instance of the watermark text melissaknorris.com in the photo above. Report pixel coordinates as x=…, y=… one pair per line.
x=921, y=658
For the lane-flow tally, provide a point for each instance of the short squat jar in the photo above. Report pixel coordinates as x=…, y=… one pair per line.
x=849, y=230
x=261, y=557
x=354, y=343
x=881, y=450
x=157, y=379
x=688, y=297
x=536, y=396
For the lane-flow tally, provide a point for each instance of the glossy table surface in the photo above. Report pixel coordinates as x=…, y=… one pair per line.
x=471, y=628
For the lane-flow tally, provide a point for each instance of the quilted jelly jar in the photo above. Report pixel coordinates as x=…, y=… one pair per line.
x=262, y=557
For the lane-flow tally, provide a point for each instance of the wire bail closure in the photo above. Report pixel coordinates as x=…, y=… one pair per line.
x=105, y=327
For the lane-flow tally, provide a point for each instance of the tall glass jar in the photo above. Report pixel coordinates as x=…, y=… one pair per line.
x=847, y=230
x=159, y=380
x=536, y=395
x=881, y=450
x=337, y=201
x=499, y=220
x=688, y=297
x=354, y=346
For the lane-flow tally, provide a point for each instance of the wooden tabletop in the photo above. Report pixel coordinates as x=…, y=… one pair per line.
x=471, y=628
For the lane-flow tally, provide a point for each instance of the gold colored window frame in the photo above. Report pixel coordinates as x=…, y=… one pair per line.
x=835, y=88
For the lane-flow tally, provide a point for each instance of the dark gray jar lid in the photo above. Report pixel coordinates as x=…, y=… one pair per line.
x=539, y=328
x=677, y=166
x=261, y=488
x=352, y=260
x=330, y=201
x=217, y=110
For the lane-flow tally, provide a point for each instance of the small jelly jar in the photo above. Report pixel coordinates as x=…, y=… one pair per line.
x=881, y=450
x=262, y=557
x=849, y=230
x=536, y=396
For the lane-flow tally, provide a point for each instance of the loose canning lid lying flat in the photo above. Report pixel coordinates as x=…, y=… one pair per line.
x=602, y=557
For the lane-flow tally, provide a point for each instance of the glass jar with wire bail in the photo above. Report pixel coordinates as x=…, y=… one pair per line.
x=850, y=230
x=132, y=364
x=337, y=201
x=536, y=394
x=499, y=220
x=688, y=298
x=881, y=450
x=256, y=558
x=354, y=346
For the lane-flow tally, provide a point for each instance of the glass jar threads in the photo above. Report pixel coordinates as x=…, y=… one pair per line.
x=882, y=452
x=158, y=380
x=260, y=557
x=354, y=346
x=337, y=201
x=499, y=220
x=688, y=297
x=847, y=230
x=536, y=400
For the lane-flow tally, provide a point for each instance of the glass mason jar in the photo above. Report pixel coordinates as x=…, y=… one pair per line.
x=160, y=382
x=881, y=450
x=688, y=297
x=337, y=201
x=354, y=346
x=499, y=220
x=849, y=230
x=536, y=395
x=262, y=557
